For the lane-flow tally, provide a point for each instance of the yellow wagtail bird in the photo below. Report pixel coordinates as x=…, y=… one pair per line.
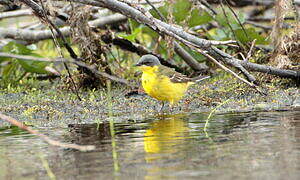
x=164, y=83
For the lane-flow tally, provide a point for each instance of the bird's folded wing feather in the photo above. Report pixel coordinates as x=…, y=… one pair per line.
x=174, y=76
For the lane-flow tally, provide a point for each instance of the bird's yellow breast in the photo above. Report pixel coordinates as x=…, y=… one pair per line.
x=160, y=87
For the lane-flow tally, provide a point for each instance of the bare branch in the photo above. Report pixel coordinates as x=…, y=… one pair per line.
x=271, y=70
x=44, y=137
x=16, y=13
x=267, y=19
x=265, y=27
x=30, y=58
x=38, y=35
x=250, y=51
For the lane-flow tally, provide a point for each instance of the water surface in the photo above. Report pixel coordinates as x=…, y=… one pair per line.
x=256, y=145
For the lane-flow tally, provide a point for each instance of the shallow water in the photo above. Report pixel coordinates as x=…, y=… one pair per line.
x=256, y=145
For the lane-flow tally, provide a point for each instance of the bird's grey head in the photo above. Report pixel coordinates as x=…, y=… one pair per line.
x=148, y=60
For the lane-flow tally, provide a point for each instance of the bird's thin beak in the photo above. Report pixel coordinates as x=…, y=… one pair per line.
x=137, y=64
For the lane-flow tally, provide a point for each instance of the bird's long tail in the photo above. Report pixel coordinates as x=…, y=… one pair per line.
x=199, y=78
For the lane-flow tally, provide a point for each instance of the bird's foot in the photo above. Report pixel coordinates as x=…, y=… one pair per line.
x=162, y=107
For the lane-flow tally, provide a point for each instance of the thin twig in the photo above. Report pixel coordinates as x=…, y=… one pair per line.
x=44, y=137
x=208, y=6
x=228, y=23
x=237, y=18
x=157, y=11
x=250, y=51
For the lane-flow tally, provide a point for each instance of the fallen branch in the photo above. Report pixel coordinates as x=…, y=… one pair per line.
x=267, y=69
x=44, y=137
x=38, y=35
x=30, y=58
x=16, y=13
x=271, y=70
x=266, y=27
x=266, y=19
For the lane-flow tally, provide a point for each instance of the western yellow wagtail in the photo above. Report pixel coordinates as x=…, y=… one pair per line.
x=164, y=83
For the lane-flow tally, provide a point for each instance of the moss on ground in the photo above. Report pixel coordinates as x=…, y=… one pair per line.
x=45, y=104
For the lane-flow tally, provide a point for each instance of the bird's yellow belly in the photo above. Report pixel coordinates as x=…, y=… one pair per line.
x=162, y=89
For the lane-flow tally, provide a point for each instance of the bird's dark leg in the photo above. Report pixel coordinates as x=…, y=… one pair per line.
x=171, y=105
x=162, y=107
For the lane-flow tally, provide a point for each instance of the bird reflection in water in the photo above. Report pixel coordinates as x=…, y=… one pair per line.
x=164, y=141
x=165, y=136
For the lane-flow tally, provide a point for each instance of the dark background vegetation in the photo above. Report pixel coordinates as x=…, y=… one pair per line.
x=82, y=44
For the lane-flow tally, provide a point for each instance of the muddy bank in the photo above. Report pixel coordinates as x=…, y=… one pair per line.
x=51, y=107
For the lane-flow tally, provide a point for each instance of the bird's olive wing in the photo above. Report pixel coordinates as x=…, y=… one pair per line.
x=174, y=76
